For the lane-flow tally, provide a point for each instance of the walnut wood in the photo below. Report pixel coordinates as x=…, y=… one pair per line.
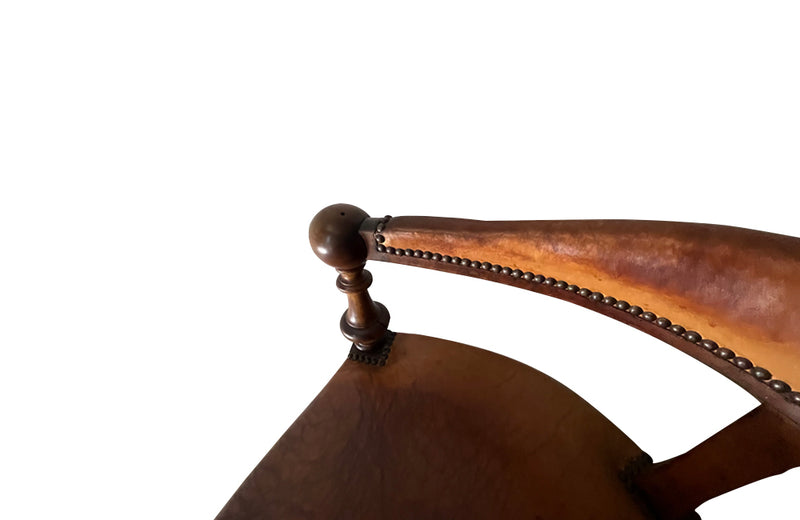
x=443, y=431
x=335, y=238
x=364, y=322
x=739, y=287
x=758, y=445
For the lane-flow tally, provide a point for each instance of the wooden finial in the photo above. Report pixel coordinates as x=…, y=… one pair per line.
x=334, y=236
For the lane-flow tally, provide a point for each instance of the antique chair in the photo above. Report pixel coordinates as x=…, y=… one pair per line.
x=414, y=427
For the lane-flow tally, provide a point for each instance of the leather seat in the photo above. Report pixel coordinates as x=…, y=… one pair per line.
x=444, y=431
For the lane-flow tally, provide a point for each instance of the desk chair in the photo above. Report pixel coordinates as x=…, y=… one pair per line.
x=413, y=427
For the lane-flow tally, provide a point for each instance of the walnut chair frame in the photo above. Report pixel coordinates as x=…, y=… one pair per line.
x=418, y=427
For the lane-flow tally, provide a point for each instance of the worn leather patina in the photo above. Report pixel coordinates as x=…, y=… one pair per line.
x=412, y=427
x=442, y=431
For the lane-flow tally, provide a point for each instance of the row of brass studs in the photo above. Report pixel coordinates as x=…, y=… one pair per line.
x=762, y=374
x=377, y=357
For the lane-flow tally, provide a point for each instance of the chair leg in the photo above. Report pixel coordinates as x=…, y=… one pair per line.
x=758, y=445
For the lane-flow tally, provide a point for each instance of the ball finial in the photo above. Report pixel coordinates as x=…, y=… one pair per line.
x=335, y=239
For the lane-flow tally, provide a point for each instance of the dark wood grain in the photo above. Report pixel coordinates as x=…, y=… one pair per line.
x=335, y=239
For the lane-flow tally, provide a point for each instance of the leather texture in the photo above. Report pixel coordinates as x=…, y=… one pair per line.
x=738, y=287
x=443, y=431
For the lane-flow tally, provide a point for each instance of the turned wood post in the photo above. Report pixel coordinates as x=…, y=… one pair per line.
x=334, y=236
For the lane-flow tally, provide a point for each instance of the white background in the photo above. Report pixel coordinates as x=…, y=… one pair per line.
x=162, y=317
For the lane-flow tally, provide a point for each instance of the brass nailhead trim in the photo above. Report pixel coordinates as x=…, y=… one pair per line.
x=691, y=336
x=377, y=357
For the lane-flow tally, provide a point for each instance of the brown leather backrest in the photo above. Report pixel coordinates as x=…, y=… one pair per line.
x=727, y=296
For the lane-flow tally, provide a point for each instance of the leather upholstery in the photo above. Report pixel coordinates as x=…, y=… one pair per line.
x=443, y=431
x=739, y=287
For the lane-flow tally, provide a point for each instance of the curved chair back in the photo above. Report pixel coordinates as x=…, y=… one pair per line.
x=729, y=297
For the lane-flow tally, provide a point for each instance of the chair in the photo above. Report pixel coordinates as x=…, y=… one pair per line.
x=413, y=427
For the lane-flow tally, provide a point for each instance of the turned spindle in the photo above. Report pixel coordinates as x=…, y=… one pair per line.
x=334, y=236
